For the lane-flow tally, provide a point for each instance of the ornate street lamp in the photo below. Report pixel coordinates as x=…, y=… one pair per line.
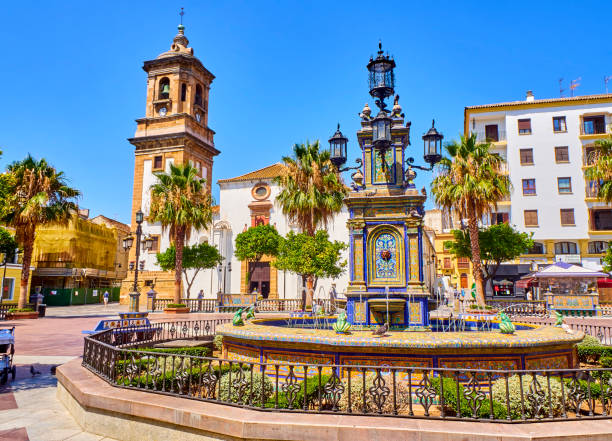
x=382, y=79
x=337, y=151
x=432, y=149
x=127, y=244
x=148, y=243
x=381, y=130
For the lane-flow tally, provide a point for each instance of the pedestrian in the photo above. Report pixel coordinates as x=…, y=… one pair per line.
x=105, y=297
x=200, y=297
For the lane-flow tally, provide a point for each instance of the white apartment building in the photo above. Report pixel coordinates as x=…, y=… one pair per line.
x=546, y=143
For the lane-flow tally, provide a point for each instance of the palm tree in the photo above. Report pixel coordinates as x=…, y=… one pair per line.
x=181, y=202
x=311, y=193
x=42, y=198
x=471, y=183
x=311, y=189
x=600, y=168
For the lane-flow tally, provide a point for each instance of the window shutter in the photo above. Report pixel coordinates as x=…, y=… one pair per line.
x=524, y=124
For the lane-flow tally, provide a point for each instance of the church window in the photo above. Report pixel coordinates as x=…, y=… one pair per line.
x=183, y=92
x=164, y=88
x=198, y=95
x=157, y=162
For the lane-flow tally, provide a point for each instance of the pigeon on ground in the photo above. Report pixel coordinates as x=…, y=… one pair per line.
x=33, y=371
x=381, y=330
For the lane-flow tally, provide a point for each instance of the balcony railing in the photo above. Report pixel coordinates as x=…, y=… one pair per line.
x=482, y=136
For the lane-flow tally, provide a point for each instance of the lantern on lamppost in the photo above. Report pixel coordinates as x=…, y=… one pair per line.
x=381, y=78
x=432, y=149
x=337, y=151
x=381, y=130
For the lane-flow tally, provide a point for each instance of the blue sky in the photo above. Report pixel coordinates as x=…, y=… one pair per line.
x=72, y=82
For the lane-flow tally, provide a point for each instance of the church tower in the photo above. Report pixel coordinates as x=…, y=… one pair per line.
x=173, y=130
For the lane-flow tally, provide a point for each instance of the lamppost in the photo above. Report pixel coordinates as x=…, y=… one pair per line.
x=223, y=270
x=337, y=152
x=127, y=244
x=432, y=149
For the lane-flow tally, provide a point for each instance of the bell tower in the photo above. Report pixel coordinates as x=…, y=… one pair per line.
x=174, y=130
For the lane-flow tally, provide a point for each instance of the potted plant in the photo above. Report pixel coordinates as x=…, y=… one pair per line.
x=21, y=314
x=176, y=308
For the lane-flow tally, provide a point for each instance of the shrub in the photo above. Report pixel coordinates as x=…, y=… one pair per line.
x=589, y=340
x=537, y=400
x=592, y=354
x=13, y=310
x=450, y=401
x=312, y=395
x=241, y=388
x=176, y=305
x=195, y=351
x=218, y=342
x=606, y=361
x=357, y=404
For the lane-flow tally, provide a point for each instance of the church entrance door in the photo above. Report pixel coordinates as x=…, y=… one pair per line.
x=260, y=278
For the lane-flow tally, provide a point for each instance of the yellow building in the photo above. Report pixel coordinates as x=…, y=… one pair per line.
x=82, y=254
x=458, y=271
x=11, y=274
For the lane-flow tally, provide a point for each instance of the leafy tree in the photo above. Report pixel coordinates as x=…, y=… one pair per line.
x=311, y=256
x=195, y=257
x=471, y=183
x=601, y=168
x=42, y=197
x=607, y=260
x=256, y=242
x=8, y=248
x=180, y=202
x=498, y=243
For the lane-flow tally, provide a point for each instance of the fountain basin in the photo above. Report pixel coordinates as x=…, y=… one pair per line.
x=272, y=341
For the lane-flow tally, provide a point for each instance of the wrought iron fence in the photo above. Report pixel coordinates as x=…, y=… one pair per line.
x=412, y=392
x=4, y=307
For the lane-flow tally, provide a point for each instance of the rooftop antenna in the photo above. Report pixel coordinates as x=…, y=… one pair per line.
x=606, y=79
x=561, y=89
x=574, y=84
x=181, y=14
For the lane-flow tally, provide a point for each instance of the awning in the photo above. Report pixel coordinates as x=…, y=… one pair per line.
x=604, y=283
x=526, y=283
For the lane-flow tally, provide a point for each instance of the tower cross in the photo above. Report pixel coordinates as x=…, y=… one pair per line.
x=181, y=14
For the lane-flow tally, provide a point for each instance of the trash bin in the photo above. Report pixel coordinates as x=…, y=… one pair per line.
x=42, y=309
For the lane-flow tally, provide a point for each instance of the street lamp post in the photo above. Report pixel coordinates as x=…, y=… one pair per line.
x=127, y=244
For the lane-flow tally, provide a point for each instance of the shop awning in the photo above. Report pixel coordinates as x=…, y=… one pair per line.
x=604, y=283
x=526, y=283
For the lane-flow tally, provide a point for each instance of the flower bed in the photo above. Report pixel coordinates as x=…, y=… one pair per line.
x=21, y=314
x=176, y=308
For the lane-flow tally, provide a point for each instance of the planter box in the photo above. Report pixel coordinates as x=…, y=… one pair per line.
x=21, y=315
x=176, y=310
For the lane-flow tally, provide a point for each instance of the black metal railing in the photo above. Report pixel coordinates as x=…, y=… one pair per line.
x=4, y=307
x=411, y=392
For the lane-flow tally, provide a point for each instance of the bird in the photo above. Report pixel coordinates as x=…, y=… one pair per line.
x=33, y=371
x=381, y=330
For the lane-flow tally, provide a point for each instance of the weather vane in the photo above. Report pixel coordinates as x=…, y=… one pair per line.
x=181, y=14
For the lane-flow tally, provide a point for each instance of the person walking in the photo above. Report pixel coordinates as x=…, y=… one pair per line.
x=200, y=298
x=105, y=297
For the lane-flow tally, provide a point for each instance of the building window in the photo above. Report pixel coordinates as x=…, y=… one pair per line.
x=561, y=154
x=559, y=124
x=564, y=185
x=491, y=133
x=598, y=247
x=526, y=156
x=524, y=126
x=447, y=263
x=601, y=220
x=463, y=263
x=537, y=248
x=567, y=216
x=183, y=92
x=500, y=218
x=164, y=88
x=8, y=288
x=529, y=188
x=594, y=125
x=158, y=162
x=198, y=95
x=531, y=218
x=155, y=246
x=566, y=248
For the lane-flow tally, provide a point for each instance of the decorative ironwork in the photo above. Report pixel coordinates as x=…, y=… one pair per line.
x=333, y=390
x=536, y=397
x=425, y=392
x=291, y=388
x=474, y=394
x=379, y=391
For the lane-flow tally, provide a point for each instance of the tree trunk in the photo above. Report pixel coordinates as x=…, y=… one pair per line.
x=28, y=246
x=179, y=243
x=476, y=263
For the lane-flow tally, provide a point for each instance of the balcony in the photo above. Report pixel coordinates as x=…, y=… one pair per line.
x=592, y=190
x=594, y=127
x=499, y=137
x=600, y=220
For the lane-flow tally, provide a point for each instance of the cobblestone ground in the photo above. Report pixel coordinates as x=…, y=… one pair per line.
x=29, y=409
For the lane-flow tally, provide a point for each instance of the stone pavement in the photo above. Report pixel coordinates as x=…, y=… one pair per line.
x=29, y=409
